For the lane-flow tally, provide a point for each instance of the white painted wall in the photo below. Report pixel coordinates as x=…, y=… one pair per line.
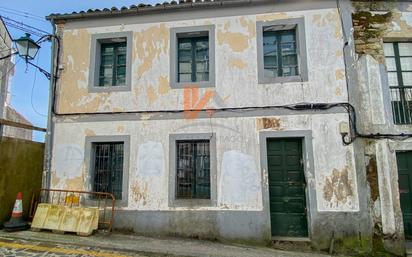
x=239, y=175
x=236, y=65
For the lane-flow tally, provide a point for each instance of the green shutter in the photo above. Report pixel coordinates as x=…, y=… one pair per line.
x=112, y=64
x=193, y=59
x=280, y=53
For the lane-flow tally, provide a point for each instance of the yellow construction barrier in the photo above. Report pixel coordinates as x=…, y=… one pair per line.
x=58, y=218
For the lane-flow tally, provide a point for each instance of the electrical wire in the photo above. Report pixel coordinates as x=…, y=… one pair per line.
x=32, y=89
x=22, y=26
x=8, y=56
x=18, y=11
x=22, y=15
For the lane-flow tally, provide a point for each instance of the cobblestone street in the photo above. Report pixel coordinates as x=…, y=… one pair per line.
x=29, y=243
x=24, y=248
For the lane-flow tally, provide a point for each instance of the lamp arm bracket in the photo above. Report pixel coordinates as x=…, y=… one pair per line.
x=45, y=73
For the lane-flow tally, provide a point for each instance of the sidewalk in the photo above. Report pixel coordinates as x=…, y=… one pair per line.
x=146, y=245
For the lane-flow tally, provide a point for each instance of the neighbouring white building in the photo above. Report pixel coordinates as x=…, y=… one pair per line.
x=7, y=112
x=230, y=120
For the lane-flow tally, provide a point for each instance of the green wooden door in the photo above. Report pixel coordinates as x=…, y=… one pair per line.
x=404, y=160
x=287, y=187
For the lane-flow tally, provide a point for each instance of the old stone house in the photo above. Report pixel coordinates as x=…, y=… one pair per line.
x=378, y=64
x=232, y=120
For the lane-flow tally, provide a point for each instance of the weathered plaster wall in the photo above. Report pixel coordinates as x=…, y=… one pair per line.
x=375, y=23
x=237, y=154
x=236, y=65
x=241, y=181
x=242, y=191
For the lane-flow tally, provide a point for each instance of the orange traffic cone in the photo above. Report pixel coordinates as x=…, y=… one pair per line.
x=16, y=222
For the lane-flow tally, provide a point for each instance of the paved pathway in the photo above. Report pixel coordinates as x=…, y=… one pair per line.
x=28, y=243
x=24, y=248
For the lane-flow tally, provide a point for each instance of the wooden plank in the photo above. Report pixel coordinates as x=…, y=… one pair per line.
x=21, y=125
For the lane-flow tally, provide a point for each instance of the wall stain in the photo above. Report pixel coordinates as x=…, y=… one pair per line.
x=271, y=17
x=74, y=95
x=118, y=109
x=249, y=25
x=339, y=53
x=151, y=94
x=163, y=85
x=237, y=41
x=76, y=183
x=139, y=193
x=338, y=186
x=330, y=18
x=340, y=74
x=89, y=132
x=237, y=63
x=372, y=178
x=269, y=123
x=405, y=28
x=120, y=129
x=338, y=91
x=74, y=77
x=149, y=45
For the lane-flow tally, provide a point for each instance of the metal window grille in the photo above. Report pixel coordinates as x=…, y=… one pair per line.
x=280, y=53
x=193, y=169
x=108, y=168
x=193, y=59
x=399, y=66
x=112, y=64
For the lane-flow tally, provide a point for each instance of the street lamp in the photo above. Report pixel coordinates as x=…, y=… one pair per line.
x=27, y=47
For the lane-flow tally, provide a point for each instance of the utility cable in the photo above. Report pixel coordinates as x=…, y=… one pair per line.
x=22, y=15
x=32, y=89
x=8, y=56
x=24, y=27
x=18, y=11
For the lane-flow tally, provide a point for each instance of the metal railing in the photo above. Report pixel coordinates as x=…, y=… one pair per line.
x=401, y=98
x=105, y=202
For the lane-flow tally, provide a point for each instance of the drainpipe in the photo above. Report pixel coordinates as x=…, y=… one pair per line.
x=50, y=124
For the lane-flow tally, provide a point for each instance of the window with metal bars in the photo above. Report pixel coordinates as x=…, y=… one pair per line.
x=193, y=59
x=398, y=57
x=280, y=53
x=108, y=168
x=112, y=64
x=193, y=169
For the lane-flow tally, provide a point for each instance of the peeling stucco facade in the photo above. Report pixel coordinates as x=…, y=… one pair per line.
x=374, y=24
x=338, y=202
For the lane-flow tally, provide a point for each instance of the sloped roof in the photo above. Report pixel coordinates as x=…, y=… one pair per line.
x=13, y=115
x=159, y=7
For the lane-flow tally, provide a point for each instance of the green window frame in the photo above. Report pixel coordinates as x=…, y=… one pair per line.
x=280, y=53
x=193, y=59
x=398, y=56
x=112, y=70
x=193, y=169
x=108, y=161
